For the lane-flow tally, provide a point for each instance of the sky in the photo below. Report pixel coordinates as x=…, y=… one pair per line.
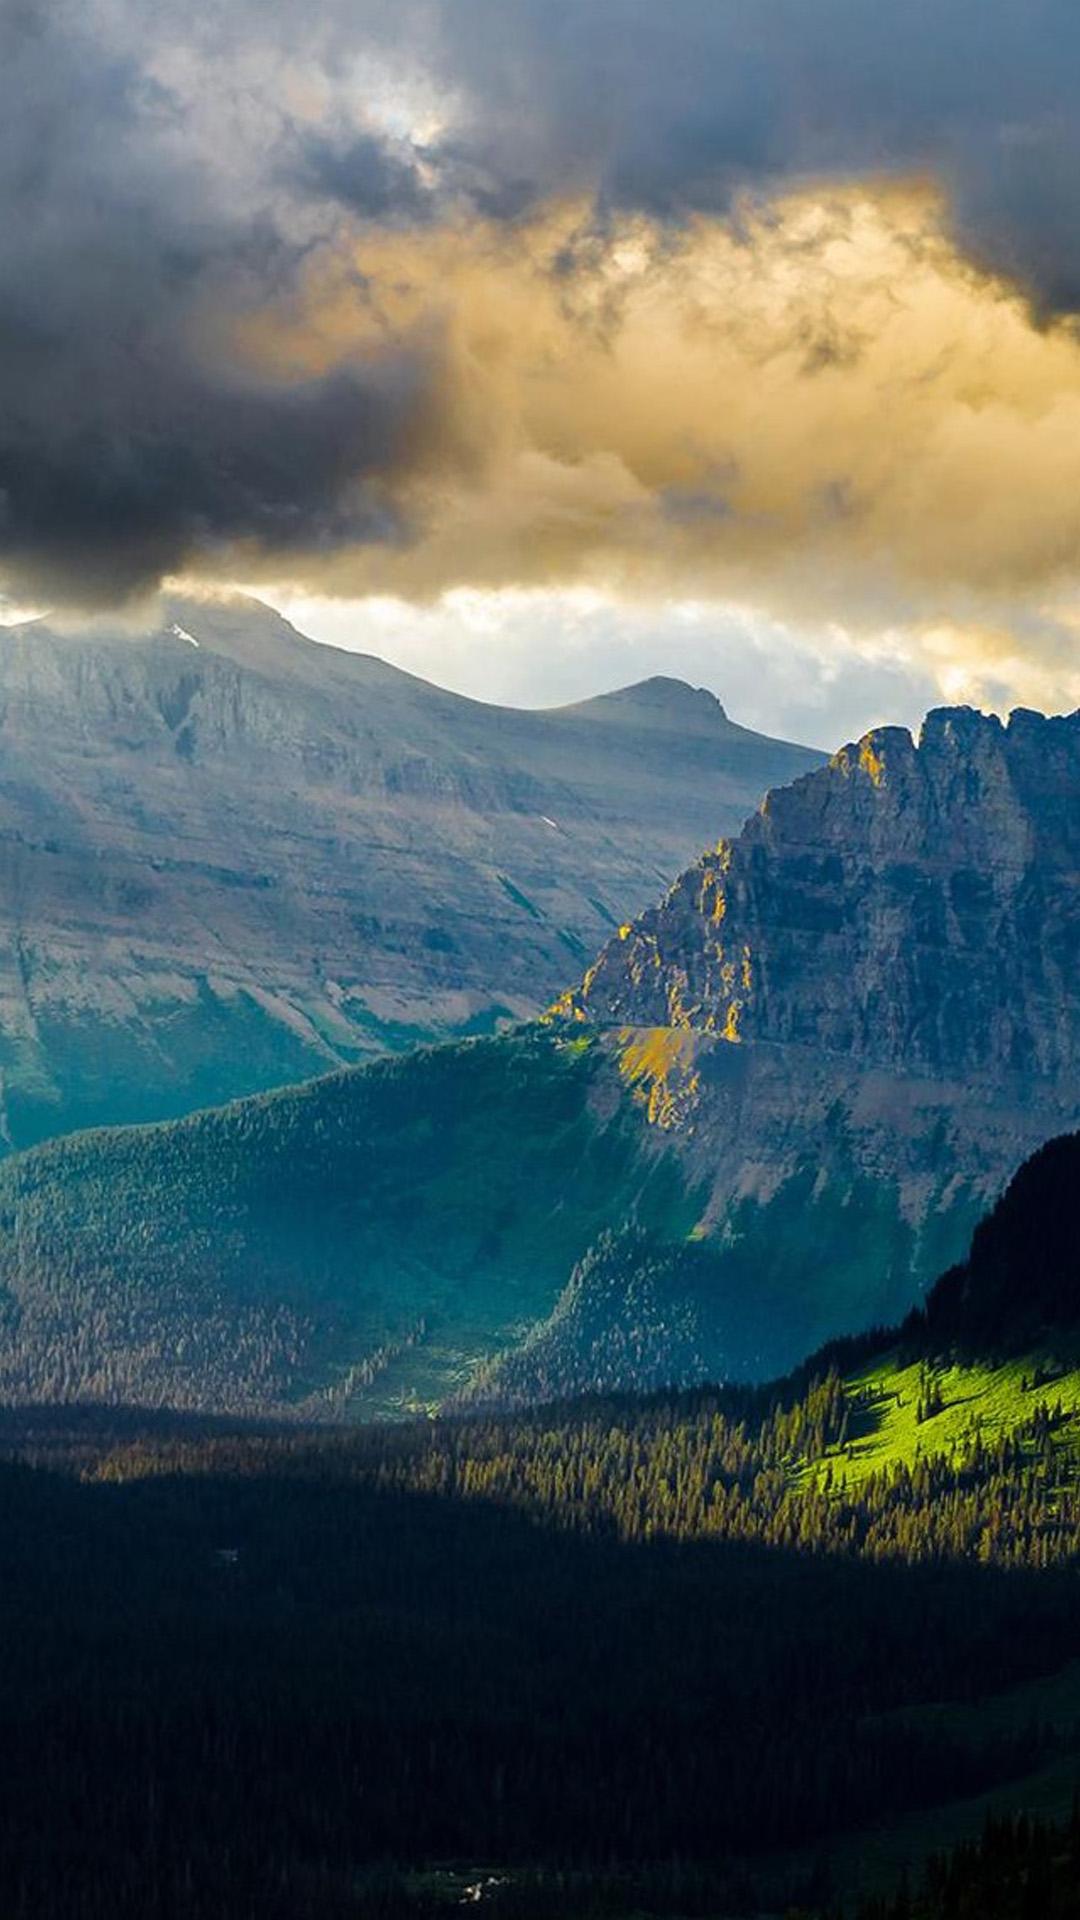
x=540, y=345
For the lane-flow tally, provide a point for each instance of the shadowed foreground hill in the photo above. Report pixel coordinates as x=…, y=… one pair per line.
x=1020, y=1284
x=713, y=1653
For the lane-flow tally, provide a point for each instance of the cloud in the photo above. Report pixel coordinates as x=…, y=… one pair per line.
x=680, y=108
x=131, y=437
x=826, y=407
x=737, y=298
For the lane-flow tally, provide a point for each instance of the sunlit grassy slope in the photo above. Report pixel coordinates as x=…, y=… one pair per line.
x=904, y=1410
x=996, y=1347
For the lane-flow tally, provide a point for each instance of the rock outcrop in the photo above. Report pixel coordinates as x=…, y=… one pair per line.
x=859, y=1016
x=231, y=858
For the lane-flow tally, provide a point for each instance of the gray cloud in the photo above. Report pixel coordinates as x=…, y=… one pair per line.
x=131, y=437
x=166, y=172
x=361, y=174
x=679, y=107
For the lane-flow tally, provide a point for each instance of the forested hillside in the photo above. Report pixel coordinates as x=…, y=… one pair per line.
x=492, y=1223
x=1020, y=1868
x=1020, y=1284
x=617, y=1643
x=702, y=1654
x=360, y=1242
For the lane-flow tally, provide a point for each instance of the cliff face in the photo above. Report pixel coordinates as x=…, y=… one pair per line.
x=863, y=1012
x=231, y=858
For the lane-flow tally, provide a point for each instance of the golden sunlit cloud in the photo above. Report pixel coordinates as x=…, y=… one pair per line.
x=820, y=408
x=826, y=393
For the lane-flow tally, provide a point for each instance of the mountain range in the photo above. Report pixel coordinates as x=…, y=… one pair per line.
x=231, y=858
x=771, y=1113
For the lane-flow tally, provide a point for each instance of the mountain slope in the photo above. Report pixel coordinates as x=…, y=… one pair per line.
x=1020, y=1284
x=638, y=1314
x=231, y=858
x=356, y=1243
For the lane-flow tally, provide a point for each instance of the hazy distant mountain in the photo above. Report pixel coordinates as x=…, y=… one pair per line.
x=788, y=1091
x=230, y=857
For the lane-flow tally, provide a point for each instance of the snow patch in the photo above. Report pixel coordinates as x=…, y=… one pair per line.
x=183, y=634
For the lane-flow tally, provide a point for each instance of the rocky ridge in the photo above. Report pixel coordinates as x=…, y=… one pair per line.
x=859, y=1016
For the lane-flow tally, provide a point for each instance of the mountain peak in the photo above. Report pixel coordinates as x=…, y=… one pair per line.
x=959, y=729
x=864, y=1006
x=233, y=846
x=820, y=915
x=659, y=699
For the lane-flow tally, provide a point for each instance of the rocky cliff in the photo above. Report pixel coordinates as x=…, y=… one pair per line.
x=231, y=858
x=858, y=1017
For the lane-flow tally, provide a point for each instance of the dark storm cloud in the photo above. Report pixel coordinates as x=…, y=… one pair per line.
x=131, y=437
x=363, y=176
x=677, y=107
x=165, y=172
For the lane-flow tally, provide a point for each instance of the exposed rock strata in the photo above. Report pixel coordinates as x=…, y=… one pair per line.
x=865, y=1009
